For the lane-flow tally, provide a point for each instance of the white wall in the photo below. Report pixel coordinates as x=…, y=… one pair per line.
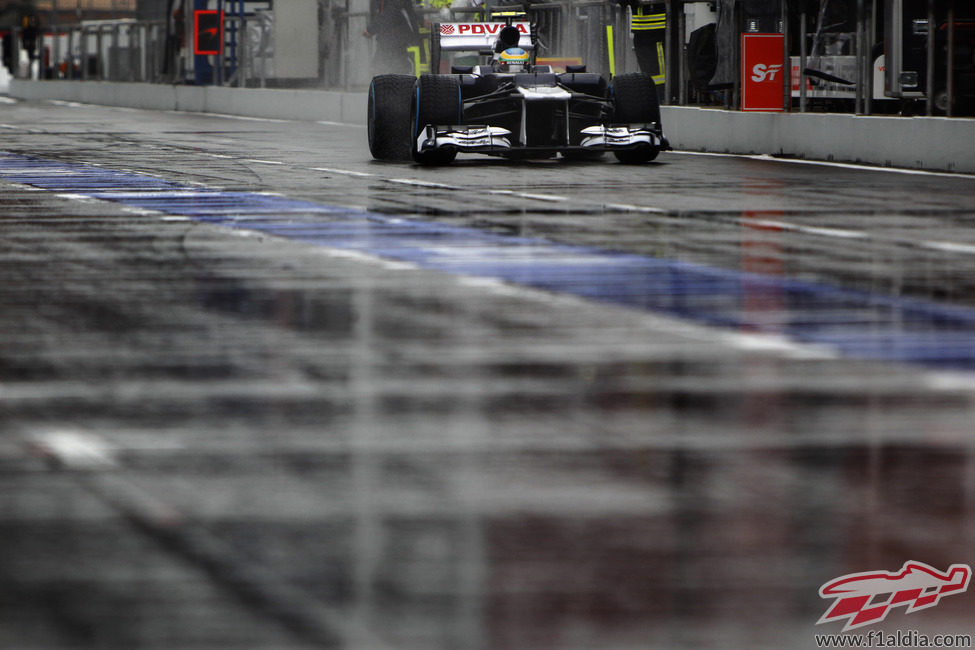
x=936, y=143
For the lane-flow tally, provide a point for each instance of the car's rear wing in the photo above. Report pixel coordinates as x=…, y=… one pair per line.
x=477, y=37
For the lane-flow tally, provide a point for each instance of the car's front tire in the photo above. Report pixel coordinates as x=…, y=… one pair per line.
x=436, y=100
x=635, y=101
x=578, y=156
x=388, y=118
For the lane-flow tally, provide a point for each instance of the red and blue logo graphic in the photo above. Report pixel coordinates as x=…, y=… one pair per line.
x=867, y=598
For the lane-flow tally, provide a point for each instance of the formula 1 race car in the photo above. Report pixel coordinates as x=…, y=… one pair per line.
x=509, y=106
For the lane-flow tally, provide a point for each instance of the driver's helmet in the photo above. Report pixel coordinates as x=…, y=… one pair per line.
x=514, y=59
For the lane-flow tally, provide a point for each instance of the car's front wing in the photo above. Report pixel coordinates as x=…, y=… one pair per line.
x=494, y=139
x=623, y=137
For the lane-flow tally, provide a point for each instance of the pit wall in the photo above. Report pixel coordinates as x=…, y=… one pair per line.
x=929, y=143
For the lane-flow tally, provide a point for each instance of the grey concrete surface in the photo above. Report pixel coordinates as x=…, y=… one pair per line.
x=931, y=143
x=216, y=437
x=250, y=102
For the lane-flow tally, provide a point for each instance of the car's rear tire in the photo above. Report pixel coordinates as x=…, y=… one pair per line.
x=635, y=101
x=388, y=118
x=436, y=100
x=435, y=52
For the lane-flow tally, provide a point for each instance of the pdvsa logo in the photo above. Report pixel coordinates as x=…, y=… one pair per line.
x=867, y=598
x=480, y=29
x=762, y=72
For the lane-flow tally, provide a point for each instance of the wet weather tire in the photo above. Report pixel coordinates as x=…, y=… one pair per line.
x=635, y=102
x=577, y=156
x=436, y=100
x=638, y=155
x=388, y=119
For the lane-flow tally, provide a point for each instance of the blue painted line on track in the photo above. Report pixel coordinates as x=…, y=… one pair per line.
x=857, y=324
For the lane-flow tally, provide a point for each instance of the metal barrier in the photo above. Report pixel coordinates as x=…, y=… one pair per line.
x=109, y=51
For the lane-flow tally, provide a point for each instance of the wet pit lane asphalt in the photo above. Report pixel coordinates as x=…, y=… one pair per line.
x=259, y=391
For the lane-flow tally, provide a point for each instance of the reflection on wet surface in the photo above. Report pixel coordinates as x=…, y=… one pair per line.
x=858, y=324
x=261, y=436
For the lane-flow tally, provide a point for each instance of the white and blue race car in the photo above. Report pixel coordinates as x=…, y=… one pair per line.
x=509, y=106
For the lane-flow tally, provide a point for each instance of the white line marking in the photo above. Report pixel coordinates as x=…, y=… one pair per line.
x=411, y=181
x=949, y=247
x=949, y=381
x=74, y=449
x=808, y=230
x=633, y=208
x=227, y=116
x=777, y=344
x=528, y=195
x=345, y=124
x=551, y=198
x=825, y=163
x=833, y=232
x=345, y=172
x=943, y=246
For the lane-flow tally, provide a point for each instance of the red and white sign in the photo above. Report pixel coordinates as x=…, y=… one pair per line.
x=479, y=36
x=477, y=29
x=763, y=76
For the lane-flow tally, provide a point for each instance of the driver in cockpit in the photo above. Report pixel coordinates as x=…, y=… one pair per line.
x=513, y=59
